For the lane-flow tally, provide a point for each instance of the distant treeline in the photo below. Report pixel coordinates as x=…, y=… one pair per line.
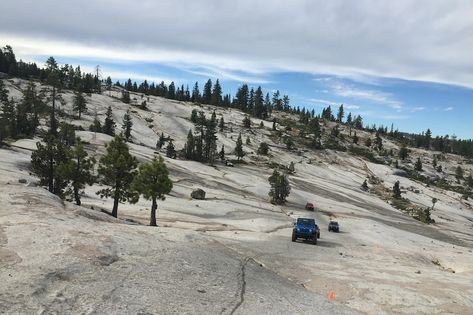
x=248, y=99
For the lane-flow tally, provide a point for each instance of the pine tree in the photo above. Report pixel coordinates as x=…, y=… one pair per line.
x=341, y=114
x=80, y=104
x=378, y=141
x=260, y=109
x=222, y=153
x=246, y=122
x=396, y=190
x=170, y=150
x=161, y=141
x=280, y=187
x=195, y=93
x=403, y=153
x=368, y=142
x=117, y=169
x=364, y=186
x=171, y=94
x=418, y=165
x=48, y=159
x=216, y=98
x=263, y=148
x=248, y=141
x=96, y=126
x=127, y=125
x=239, y=148
x=78, y=171
x=109, y=124
x=221, y=124
x=434, y=161
x=194, y=116
x=153, y=182
x=126, y=97
x=210, y=139
x=207, y=93
x=349, y=122
x=190, y=144
x=459, y=173
x=28, y=111
x=276, y=101
x=355, y=138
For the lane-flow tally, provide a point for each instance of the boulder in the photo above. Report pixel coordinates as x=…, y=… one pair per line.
x=401, y=173
x=22, y=181
x=198, y=194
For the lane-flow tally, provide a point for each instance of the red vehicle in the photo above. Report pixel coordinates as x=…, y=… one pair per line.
x=309, y=206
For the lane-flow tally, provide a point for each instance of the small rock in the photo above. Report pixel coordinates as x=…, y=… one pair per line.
x=418, y=271
x=198, y=194
x=201, y=291
x=22, y=181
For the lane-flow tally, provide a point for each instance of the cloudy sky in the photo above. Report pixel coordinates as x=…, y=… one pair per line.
x=403, y=62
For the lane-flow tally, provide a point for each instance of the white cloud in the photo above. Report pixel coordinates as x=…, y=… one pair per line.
x=448, y=109
x=425, y=40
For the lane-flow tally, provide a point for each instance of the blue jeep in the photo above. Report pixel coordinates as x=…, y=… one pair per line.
x=306, y=229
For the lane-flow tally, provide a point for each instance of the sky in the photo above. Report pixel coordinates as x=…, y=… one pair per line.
x=403, y=62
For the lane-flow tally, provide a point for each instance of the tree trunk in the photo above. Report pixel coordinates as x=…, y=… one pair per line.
x=154, y=206
x=76, y=196
x=115, y=200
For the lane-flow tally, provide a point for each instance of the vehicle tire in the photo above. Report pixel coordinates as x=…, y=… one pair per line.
x=318, y=235
x=314, y=240
x=294, y=237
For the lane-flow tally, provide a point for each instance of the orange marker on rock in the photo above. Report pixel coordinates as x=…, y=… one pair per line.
x=331, y=295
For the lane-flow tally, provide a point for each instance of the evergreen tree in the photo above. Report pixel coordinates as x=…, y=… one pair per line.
x=459, y=173
x=280, y=187
x=358, y=122
x=222, y=153
x=248, y=140
x=263, y=148
x=117, y=169
x=153, y=182
x=428, y=139
x=170, y=150
x=195, y=93
x=96, y=126
x=194, y=116
x=434, y=161
x=109, y=124
x=47, y=160
x=239, y=148
x=127, y=125
x=285, y=103
x=171, y=91
x=161, y=141
x=78, y=171
x=378, y=141
x=216, y=98
x=221, y=124
x=364, y=186
x=247, y=122
x=207, y=93
x=403, y=153
x=210, y=139
x=368, y=142
x=397, y=190
x=126, y=97
x=80, y=104
x=276, y=101
x=190, y=144
x=355, y=138
x=341, y=114
x=418, y=165
x=260, y=110
x=349, y=122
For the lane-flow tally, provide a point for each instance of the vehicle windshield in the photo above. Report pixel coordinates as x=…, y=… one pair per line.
x=305, y=221
x=334, y=223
